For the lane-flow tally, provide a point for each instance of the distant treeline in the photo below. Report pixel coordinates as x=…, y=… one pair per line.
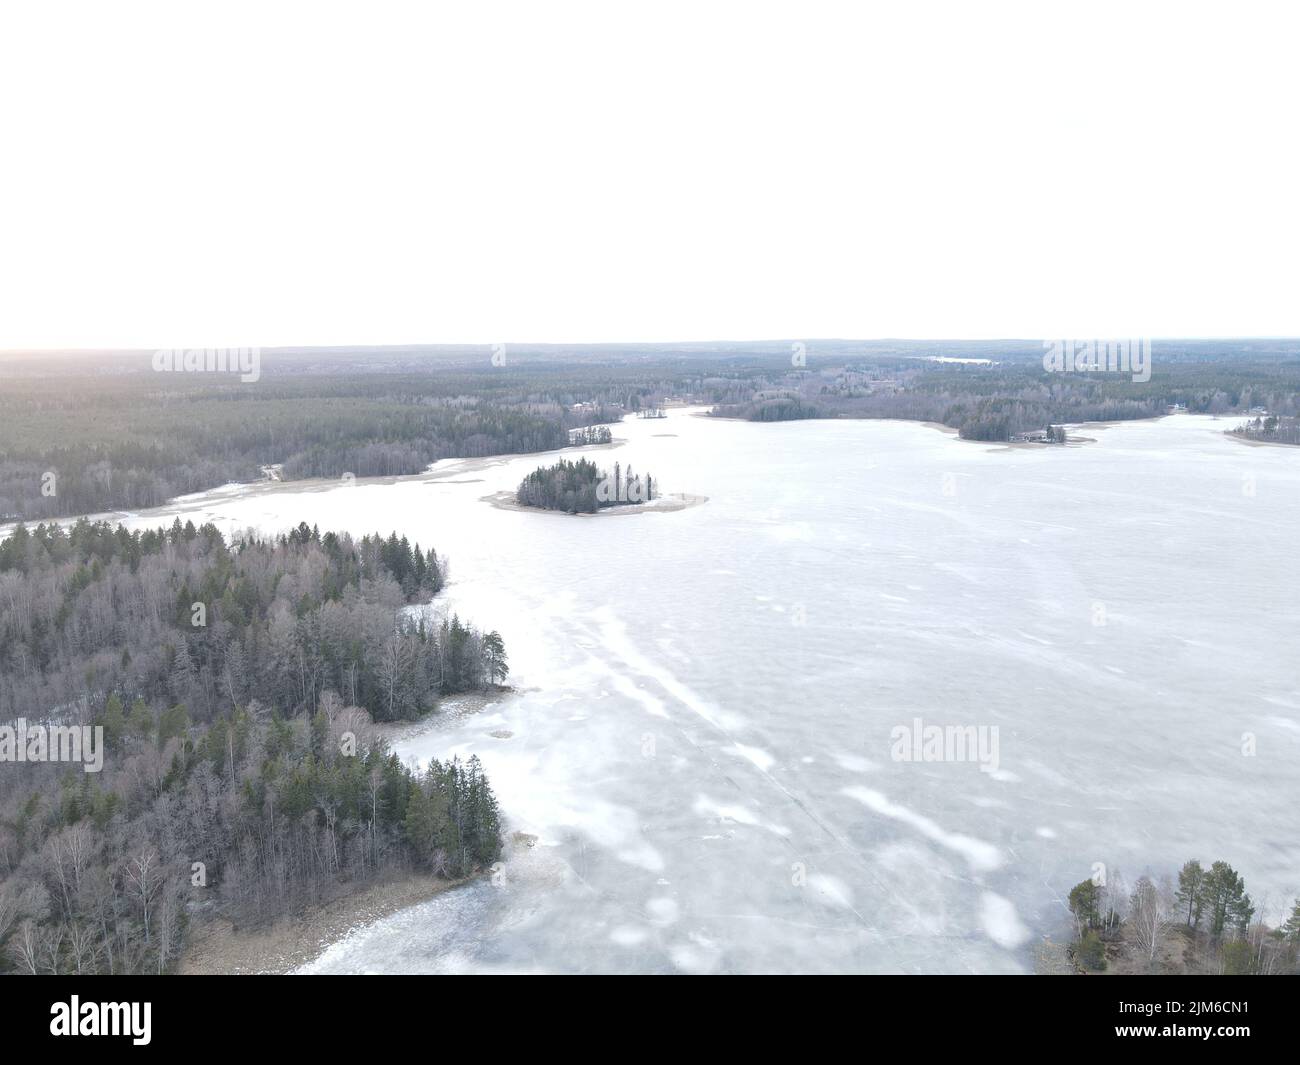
x=79, y=443
x=92, y=456
x=236, y=684
x=986, y=418
x=583, y=488
x=81, y=433
x=996, y=402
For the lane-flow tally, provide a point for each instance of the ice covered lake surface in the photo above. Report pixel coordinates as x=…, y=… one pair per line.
x=701, y=744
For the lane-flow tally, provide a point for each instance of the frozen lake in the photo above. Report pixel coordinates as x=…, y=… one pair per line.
x=701, y=744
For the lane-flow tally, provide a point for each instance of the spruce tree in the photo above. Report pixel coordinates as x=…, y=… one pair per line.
x=1290, y=931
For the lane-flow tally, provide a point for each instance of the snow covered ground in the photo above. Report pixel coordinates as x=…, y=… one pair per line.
x=705, y=741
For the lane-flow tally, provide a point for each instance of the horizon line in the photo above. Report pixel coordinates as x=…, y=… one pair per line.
x=408, y=345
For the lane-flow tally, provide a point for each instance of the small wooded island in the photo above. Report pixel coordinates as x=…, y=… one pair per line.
x=583, y=488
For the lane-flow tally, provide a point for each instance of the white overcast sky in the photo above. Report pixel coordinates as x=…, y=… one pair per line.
x=183, y=174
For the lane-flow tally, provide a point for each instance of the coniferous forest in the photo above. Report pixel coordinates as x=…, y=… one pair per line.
x=583, y=488
x=236, y=683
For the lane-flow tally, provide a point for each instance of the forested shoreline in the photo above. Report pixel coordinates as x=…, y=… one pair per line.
x=1205, y=923
x=1270, y=429
x=236, y=684
x=181, y=614
x=1003, y=396
x=83, y=433
x=108, y=433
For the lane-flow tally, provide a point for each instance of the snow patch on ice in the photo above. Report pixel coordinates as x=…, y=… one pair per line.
x=982, y=856
x=627, y=936
x=653, y=705
x=1001, y=922
x=757, y=755
x=698, y=956
x=831, y=890
x=854, y=763
x=724, y=812
x=615, y=641
x=662, y=911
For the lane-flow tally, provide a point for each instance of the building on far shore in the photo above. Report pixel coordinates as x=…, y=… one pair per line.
x=1053, y=434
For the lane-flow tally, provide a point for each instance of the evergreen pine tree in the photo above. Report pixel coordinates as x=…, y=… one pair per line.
x=1290, y=931
x=1191, y=879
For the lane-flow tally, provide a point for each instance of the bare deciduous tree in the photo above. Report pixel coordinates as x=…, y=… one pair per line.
x=81, y=947
x=1148, y=917
x=143, y=873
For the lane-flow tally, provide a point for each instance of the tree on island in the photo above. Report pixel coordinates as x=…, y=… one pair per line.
x=582, y=488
